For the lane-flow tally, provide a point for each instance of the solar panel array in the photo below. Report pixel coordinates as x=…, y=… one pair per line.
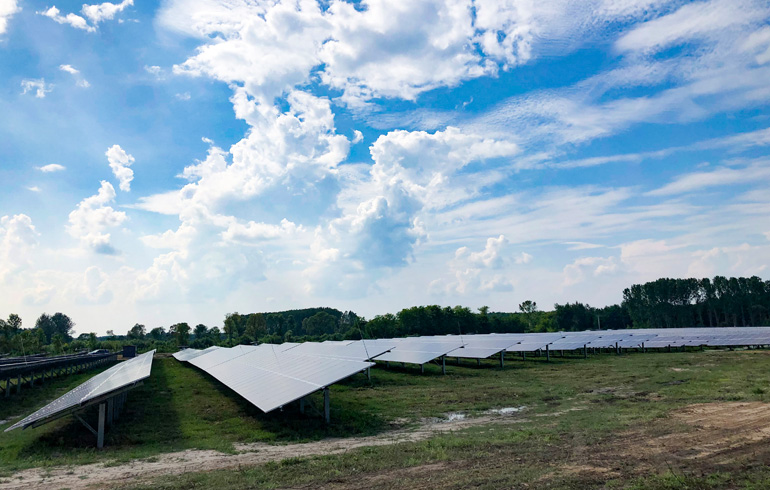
x=112, y=380
x=271, y=376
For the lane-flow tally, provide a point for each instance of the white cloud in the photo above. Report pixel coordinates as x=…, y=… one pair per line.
x=120, y=161
x=81, y=82
x=523, y=258
x=388, y=49
x=74, y=20
x=18, y=237
x=575, y=273
x=358, y=137
x=722, y=176
x=89, y=221
x=105, y=11
x=474, y=272
x=34, y=188
x=692, y=21
x=96, y=13
x=69, y=69
x=52, y=167
x=185, y=96
x=36, y=85
x=7, y=9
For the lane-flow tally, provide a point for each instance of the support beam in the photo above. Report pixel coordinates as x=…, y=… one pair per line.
x=502, y=359
x=478, y=362
x=327, y=408
x=110, y=411
x=585, y=351
x=86, y=425
x=422, y=368
x=547, y=353
x=369, y=373
x=100, y=434
x=443, y=364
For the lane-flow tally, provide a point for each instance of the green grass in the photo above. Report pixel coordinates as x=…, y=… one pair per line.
x=179, y=408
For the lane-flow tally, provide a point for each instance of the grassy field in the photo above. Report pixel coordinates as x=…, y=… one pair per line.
x=581, y=423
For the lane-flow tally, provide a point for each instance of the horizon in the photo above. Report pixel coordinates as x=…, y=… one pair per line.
x=176, y=161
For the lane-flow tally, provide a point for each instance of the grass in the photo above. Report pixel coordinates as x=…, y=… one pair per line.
x=180, y=408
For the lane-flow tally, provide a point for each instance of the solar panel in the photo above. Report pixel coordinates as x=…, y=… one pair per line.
x=270, y=379
x=419, y=352
x=187, y=354
x=357, y=350
x=218, y=356
x=114, y=379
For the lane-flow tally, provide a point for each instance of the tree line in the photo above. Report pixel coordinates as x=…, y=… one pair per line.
x=664, y=303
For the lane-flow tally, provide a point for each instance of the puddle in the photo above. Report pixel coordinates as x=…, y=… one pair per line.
x=506, y=410
x=454, y=416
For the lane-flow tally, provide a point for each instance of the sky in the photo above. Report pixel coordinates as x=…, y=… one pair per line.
x=173, y=161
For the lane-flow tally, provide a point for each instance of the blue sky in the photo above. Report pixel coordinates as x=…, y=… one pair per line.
x=175, y=161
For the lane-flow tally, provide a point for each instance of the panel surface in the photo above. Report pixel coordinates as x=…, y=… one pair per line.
x=115, y=378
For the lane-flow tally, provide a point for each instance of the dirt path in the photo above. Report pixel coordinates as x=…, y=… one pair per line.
x=98, y=475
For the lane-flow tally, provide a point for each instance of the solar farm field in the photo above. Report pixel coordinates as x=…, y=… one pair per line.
x=694, y=419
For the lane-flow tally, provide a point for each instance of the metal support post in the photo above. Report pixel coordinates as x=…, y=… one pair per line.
x=617, y=349
x=369, y=373
x=547, y=353
x=422, y=368
x=443, y=364
x=502, y=359
x=110, y=411
x=478, y=362
x=585, y=351
x=327, y=409
x=100, y=431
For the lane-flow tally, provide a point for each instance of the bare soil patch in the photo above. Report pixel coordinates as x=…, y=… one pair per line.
x=100, y=475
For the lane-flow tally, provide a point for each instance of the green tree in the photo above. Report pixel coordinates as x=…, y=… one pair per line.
x=46, y=325
x=137, y=332
x=93, y=341
x=57, y=342
x=200, y=331
x=529, y=309
x=181, y=332
x=158, y=333
x=63, y=325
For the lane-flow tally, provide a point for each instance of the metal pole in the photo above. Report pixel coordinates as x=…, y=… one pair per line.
x=585, y=351
x=478, y=362
x=369, y=373
x=502, y=359
x=327, y=410
x=547, y=353
x=617, y=349
x=100, y=433
x=422, y=368
x=443, y=364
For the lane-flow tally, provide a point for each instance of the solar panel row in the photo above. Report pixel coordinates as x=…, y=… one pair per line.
x=271, y=376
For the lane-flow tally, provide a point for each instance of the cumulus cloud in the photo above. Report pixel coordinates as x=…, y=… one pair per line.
x=96, y=13
x=52, y=167
x=36, y=86
x=481, y=271
x=388, y=49
x=81, y=82
x=7, y=9
x=120, y=161
x=92, y=217
x=18, y=237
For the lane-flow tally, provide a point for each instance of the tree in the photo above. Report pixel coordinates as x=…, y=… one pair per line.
x=181, y=332
x=319, y=324
x=231, y=326
x=529, y=309
x=200, y=331
x=93, y=342
x=137, y=332
x=157, y=333
x=13, y=325
x=63, y=325
x=46, y=325
x=57, y=342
